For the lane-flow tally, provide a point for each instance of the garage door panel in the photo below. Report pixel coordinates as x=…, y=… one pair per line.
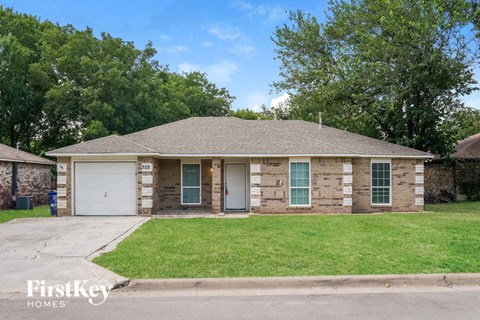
x=105, y=188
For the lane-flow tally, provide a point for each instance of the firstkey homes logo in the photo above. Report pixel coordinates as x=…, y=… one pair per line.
x=44, y=295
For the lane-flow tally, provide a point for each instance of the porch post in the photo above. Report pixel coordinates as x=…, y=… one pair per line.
x=216, y=184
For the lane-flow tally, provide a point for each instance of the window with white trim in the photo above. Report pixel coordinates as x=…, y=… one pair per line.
x=191, y=183
x=381, y=183
x=299, y=183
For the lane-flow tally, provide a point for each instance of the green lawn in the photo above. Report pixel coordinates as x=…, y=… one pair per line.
x=444, y=239
x=7, y=215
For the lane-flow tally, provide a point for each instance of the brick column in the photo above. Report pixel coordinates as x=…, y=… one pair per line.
x=216, y=185
x=147, y=184
x=64, y=187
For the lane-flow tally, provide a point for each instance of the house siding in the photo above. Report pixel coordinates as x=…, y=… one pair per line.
x=34, y=180
x=442, y=181
x=5, y=185
x=143, y=199
x=326, y=186
x=403, y=187
x=64, y=203
x=169, y=187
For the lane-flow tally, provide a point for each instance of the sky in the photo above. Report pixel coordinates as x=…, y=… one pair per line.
x=229, y=40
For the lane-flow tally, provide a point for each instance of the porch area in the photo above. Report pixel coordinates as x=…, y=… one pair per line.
x=197, y=187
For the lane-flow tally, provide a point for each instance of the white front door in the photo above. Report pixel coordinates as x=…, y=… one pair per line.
x=235, y=186
x=105, y=188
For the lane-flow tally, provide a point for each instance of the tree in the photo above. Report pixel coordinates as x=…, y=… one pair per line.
x=467, y=123
x=248, y=114
x=389, y=69
x=201, y=96
x=60, y=86
x=23, y=82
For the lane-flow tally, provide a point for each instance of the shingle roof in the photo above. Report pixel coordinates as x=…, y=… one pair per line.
x=335, y=137
x=10, y=154
x=468, y=148
x=106, y=145
x=232, y=136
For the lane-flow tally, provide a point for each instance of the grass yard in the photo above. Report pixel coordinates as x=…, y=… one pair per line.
x=41, y=211
x=446, y=239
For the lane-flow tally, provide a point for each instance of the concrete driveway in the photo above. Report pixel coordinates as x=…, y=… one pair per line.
x=58, y=250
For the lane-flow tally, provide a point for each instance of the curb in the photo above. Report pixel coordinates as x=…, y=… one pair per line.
x=332, y=282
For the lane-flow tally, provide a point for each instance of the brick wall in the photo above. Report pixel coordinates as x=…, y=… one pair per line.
x=169, y=187
x=403, y=186
x=326, y=186
x=64, y=203
x=216, y=185
x=34, y=180
x=440, y=179
x=5, y=185
x=147, y=183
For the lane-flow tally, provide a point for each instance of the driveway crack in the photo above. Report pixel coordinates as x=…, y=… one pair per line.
x=41, y=249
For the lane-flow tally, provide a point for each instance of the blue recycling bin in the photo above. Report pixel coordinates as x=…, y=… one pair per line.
x=52, y=197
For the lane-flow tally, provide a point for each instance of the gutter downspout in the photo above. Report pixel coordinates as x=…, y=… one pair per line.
x=14, y=180
x=455, y=180
x=15, y=176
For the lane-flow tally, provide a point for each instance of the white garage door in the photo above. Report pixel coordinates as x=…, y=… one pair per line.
x=105, y=188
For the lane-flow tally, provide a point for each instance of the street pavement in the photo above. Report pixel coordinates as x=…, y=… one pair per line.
x=421, y=303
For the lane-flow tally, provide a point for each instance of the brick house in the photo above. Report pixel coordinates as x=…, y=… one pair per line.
x=444, y=175
x=223, y=165
x=23, y=174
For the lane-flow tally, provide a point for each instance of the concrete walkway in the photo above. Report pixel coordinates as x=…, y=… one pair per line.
x=56, y=250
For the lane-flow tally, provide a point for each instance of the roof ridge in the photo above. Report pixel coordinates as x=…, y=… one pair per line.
x=300, y=136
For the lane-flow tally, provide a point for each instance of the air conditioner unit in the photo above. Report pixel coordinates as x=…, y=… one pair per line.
x=24, y=203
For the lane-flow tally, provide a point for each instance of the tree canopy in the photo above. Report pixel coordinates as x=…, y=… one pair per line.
x=395, y=70
x=60, y=85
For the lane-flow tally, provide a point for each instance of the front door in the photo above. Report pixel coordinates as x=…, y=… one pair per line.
x=235, y=186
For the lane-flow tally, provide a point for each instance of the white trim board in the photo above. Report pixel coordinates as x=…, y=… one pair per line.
x=209, y=155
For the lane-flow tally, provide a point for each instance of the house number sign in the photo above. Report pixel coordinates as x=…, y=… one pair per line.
x=147, y=167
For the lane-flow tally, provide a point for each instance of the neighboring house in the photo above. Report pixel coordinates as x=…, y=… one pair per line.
x=23, y=174
x=230, y=165
x=443, y=176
